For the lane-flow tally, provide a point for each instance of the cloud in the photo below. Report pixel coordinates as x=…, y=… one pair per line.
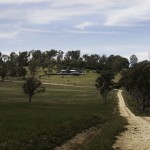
x=20, y=1
x=33, y=30
x=58, y=3
x=141, y=51
x=8, y=31
x=58, y=16
x=114, y=12
x=140, y=55
x=9, y=35
x=133, y=14
x=84, y=25
x=94, y=32
x=40, y=16
x=51, y=10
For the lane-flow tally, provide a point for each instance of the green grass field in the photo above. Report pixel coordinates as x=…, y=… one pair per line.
x=54, y=116
x=83, y=80
x=13, y=92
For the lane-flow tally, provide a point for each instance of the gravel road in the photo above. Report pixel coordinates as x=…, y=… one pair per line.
x=137, y=135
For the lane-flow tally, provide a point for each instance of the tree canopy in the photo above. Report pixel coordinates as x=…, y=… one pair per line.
x=32, y=86
x=14, y=65
x=104, y=83
x=137, y=82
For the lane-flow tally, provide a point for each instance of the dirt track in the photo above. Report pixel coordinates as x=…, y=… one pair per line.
x=137, y=135
x=80, y=139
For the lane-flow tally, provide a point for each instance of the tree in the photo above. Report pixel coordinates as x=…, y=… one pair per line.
x=12, y=69
x=116, y=63
x=50, y=59
x=137, y=81
x=92, y=61
x=133, y=60
x=23, y=58
x=104, y=83
x=3, y=71
x=3, y=66
x=13, y=57
x=71, y=58
x=60, y=56
x=59, y=59
x=5, y=58
x=33, y=65
x=73, y=55
x=21, y=72
x=32, y=86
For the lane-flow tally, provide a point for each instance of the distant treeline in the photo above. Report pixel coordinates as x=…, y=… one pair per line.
x=14, y=64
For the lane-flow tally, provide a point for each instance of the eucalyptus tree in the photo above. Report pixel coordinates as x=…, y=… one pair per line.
x=104, y=83
x=137, y=81
x=23, y=58
x=37, y=56
x=3, y=71
x=21, y=72
x=116, y=63
x=13, y=57
x=92, y=61
x=4, y=66
x=50, y=59
x=12, y=64
x=33, y=65
x=31, y=87
x=71, y=58
x=59, y=59
x=133, y=60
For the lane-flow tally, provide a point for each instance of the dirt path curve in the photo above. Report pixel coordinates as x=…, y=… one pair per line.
x=137, y=135
x=80, y=139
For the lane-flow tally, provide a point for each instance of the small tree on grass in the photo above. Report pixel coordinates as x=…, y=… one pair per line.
x=3, y=71
x=32, y=86
x=104, y=83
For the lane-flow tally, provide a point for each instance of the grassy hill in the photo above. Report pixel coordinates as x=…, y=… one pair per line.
x=56, y=115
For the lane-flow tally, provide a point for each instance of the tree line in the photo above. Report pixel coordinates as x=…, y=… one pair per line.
x=136, y=80
x=14, y=65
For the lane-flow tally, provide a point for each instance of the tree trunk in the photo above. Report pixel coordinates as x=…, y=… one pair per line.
x=105, y=97
x=29, y=98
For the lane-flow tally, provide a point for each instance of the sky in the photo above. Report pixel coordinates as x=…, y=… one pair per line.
x=119, y=27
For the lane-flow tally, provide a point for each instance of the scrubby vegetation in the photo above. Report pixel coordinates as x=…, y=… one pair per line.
x=136, y=81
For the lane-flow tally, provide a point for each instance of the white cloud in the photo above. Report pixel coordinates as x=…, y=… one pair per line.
x=8, y=31
x=33, y=18
x=115, y=12
x=40, y=16
x=132, y=14
x=140, y=55
x=33, y=30
x=53, y=10
x=9, y=35
x=84, y=25
x=94, y=32
x=141, y=51
x=20, y=1
x=58, y=2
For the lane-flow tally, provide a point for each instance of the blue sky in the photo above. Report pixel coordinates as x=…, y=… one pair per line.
x=92, y=26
